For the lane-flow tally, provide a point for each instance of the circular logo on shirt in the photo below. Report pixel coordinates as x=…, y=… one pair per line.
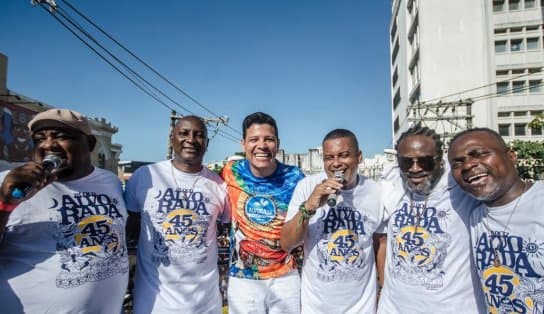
x=260, y=209
x=94, y=233
x=342, y=247
x=416, y=246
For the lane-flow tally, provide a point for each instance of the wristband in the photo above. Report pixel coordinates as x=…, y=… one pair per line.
x=304, y=213
x=7, y=207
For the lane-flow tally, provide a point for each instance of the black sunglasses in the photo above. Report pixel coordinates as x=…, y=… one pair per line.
x=426, y=163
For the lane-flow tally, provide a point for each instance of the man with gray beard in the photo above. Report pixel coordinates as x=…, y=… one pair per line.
x=428, y=267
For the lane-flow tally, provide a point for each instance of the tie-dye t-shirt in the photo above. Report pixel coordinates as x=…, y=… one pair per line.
x=259, y=206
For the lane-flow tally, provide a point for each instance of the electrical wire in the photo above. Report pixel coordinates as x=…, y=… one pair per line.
x=152, y=69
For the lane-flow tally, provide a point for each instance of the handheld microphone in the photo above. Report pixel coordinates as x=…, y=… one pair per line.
x=49, y=163
x=331, y=199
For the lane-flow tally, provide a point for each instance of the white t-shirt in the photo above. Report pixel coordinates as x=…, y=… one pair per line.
x=516, y=232
x=177, y=249
x=339, y=273
x=64, y=249
x=428, y=267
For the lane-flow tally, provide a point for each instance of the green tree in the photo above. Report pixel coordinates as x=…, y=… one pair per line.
x=530, y=158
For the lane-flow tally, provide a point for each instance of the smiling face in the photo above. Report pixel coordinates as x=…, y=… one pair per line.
x=484, y=167
x=189, y=141
x=72, y=146
x=419, y=163
x=260, y=146
x=341, y=154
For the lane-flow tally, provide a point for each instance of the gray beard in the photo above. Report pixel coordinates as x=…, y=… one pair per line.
x=425, y=188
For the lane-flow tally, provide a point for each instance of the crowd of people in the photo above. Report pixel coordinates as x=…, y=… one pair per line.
x=455, y=232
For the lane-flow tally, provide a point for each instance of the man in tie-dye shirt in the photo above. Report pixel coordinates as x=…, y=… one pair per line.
x=263, y=277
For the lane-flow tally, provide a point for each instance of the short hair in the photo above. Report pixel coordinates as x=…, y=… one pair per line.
x=341, y=133
x=194, y=117
x=258, y=118
x=418, y=129
x=489, y=131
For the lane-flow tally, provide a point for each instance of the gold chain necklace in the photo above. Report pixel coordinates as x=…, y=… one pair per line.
x=502, y=236
x=186, y=193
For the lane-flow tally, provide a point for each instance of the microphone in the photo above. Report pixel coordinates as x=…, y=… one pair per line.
x=50, y=162
x=331, y=199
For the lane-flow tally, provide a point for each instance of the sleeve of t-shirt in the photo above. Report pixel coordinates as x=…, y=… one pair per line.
x=131, y=190
x=298, y=197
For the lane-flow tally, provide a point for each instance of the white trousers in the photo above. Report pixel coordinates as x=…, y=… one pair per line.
x=273, y=296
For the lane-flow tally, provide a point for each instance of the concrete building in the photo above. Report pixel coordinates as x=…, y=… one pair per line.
x=468, y=63
x=16, y=110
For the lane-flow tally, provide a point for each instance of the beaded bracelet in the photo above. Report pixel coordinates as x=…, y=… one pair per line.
x=304, y=213
x=7, y=207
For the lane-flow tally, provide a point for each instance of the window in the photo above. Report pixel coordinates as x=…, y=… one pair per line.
x=500, y=46
x=503, y=114
x=529, y=4
x=520, y=113
x=535, y=86
x=519, y=129
x=518, y=87
x=395, y=52
x=396, y=99
x=536, y=112
x=504, y=129
x=501, y=72
x=500, y=30
x=534, y=70
x=531, y=28
x=498, y=5
x=518, y=71
x=502, y=88
x=533, y=43
x=536, y=130
x=396, y=125
x=395, y=76
x=516, y=44
x=513, y=5
x=516, y=29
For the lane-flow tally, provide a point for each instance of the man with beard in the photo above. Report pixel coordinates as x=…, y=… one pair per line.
x=339, y=273
x=64, y=238
x=177, y=204
x=507, y=231
x=428, y=267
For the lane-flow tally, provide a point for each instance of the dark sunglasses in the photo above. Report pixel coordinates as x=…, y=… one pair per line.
x=426, y=163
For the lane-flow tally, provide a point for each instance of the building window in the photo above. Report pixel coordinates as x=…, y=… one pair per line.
x=504, y=129
x=536, y=130
x=520, y=113
x=516, y=44
x=518, y=71
x=500, y=30
x=395, y=52
x=500, y=46
x=396, y=125
x=498, y=5
x=519, y=129
x=502, y=88
x=518, y=87
x=395, y=76
x=536, y=112
x=529, y=4
x=535, y=86
x=501, y=72
x=533, y=43
x=516, y=29
x=396, y=99
x=504, y=114
x=513, y=5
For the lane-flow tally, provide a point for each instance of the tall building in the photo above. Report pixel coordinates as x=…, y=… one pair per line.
x=468, y=63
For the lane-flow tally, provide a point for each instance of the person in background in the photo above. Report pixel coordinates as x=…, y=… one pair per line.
x=63, y=225
x=263, y=277
x=335, y=213
x=174, y=208
x=428, y=267
x=507, y=229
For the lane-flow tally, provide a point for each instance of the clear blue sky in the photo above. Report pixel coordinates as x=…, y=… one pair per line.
x=313, y=65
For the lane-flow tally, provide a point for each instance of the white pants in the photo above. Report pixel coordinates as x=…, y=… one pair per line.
x=274, y=296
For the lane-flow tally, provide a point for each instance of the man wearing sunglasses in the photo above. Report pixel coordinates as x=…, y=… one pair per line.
x=427, y=267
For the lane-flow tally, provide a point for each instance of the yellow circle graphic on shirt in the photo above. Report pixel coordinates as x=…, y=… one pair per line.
x=414, y=246
x=180, y=224
x=342, y=246
x=93, y=231
x=501, y=283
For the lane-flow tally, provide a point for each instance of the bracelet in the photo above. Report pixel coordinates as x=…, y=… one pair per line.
x=304, y=213
x=7, y=207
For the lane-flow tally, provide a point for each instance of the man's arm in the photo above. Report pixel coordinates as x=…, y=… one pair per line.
x=293, y=231
x=380, y=244
x=133, y=229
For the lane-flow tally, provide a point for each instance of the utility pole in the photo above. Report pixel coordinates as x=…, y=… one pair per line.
x=446, y=118
x=210, y=123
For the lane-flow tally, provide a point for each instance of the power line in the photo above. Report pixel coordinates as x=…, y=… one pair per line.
x=152, y=69
x=480, y=87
